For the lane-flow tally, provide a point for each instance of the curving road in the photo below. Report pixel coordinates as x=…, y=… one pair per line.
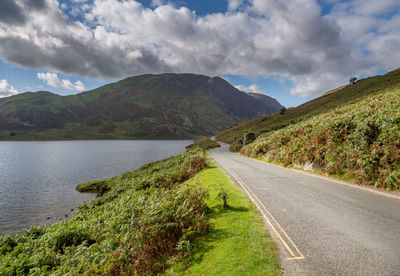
x=322, y=226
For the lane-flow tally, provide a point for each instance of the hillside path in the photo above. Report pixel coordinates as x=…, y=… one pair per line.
x=322, y=226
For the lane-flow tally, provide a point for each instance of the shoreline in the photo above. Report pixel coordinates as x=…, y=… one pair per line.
x=151, y=207
x=43, y=194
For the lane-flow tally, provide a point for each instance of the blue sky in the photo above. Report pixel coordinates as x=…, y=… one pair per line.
x=291, y=50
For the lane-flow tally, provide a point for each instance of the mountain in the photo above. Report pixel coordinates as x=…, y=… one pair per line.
x=162, y=106
x=270, y=103
x=352, y=133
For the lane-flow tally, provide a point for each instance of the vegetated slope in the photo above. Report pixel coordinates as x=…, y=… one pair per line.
x=147, y=106
x=149, y=220
x=204, y=143
x=328, y=101
x=357, y=140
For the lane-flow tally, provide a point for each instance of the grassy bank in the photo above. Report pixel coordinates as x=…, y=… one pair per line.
x=238, y=243
x=98, y=186
x=204, y=143
x=158, y=217
x=359, y=141
x=146, y=222
x=104, y=185
x=329, y=101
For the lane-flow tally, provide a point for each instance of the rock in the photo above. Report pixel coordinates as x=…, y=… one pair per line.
x=175, y=129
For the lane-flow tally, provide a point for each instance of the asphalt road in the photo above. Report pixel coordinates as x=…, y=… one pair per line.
x=322, y=227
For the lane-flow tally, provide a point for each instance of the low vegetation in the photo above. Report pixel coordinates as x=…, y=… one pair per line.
x=238, y=143
x=237, y=243
x=341, y=96
x=181, y=215
x=204, y=143
x=357, y=141
x=99, y=187
x=146, y=222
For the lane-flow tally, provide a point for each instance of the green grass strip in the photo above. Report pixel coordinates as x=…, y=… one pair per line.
x=238, y=242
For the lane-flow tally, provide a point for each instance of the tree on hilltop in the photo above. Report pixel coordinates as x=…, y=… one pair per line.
x=353, y=80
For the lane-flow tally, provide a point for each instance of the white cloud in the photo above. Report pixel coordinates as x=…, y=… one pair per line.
x=234, y=4
x=285, y=38
x=254, y=88
x=6, y=89
x=156, y=3
x=52, y=79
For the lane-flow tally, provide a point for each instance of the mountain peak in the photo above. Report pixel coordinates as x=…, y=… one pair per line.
x=140, y=107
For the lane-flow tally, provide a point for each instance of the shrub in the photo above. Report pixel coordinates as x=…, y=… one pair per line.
x=236, y=146
x=248, y=138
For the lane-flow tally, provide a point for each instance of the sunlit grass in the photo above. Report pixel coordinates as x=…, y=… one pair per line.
x=238, y=243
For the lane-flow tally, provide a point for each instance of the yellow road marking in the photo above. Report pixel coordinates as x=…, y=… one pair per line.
x=295, y=258
x=264, y=211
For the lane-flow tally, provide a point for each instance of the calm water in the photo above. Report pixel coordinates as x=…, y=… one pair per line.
x=38, y=179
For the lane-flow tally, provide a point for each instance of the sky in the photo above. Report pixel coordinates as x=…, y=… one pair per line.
x=292, y=50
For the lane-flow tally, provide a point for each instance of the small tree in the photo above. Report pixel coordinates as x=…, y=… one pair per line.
x=12, y=134
x=353, y=80
x=282, y=111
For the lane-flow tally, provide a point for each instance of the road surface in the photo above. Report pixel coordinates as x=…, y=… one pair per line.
x=322, y=226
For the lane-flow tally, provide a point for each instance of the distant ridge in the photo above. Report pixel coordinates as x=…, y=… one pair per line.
x=269, y=102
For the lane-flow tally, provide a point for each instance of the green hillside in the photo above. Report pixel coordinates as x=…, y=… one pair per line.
x=352, y=133
x=163, y=106
x=338, y=97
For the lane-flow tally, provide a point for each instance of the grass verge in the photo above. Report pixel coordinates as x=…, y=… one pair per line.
x=238, y=243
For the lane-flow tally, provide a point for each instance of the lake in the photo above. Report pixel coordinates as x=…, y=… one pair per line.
x=38, y=179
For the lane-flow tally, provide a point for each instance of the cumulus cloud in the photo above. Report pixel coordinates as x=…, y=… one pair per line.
x=52, y=80
x=11, y=12
x=234, y=4
x=286, y=38
x=6, y=89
